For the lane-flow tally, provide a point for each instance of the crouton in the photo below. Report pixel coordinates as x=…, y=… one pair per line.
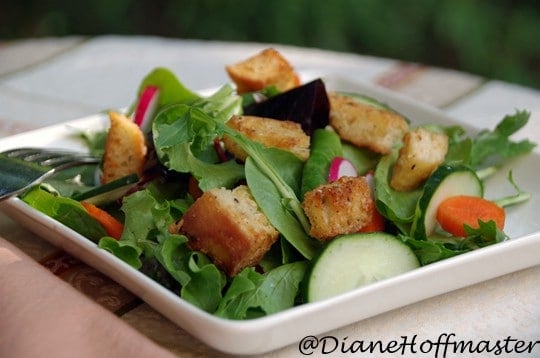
x=364, y=125
x=422, y=152
x=266, y=68
x=125, y=149
x=286, y=135
x=228, y=226
x=341, y=207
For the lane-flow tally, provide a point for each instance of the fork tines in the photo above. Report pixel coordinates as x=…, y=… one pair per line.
x=47, y=157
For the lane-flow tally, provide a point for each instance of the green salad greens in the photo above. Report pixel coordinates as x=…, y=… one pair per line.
x=183, y=136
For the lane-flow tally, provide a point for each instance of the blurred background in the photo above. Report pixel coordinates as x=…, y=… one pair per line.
x=497, y=39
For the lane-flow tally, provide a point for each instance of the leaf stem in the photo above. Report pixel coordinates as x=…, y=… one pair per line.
x=486, y=172
x=510, y=200
x=285, y=190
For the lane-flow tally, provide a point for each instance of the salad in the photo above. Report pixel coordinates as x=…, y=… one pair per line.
x=272, y=193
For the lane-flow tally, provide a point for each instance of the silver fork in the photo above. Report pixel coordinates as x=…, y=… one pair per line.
x=22, y=168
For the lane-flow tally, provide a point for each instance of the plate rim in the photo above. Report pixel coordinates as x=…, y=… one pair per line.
x=243, y=337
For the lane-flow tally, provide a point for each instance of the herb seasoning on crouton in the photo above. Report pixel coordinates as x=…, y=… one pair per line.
x=270, y=132
x=341, y=207
x=366, y=126
x=125, y=149
x=422, y=152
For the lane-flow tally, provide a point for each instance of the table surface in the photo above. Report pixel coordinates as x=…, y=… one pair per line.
x=52, y=80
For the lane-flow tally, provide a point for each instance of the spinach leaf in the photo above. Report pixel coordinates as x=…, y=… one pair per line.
x=274, y=205
x=396, y=206
x=256, y=152
x=325, y=146
x=171, y=89
x=65, y=210
x=363, y=159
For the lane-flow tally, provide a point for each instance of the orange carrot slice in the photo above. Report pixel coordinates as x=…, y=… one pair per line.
x=377, y=221
x=113, y=227
x=456, y=211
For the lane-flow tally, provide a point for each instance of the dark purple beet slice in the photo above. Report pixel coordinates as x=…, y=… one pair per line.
x=307, y=104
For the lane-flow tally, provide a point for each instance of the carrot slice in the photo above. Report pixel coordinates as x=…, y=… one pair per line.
x=455, y=212
x=376, y=223
x=113, y=227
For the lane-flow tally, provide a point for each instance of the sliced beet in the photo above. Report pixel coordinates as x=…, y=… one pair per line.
x=307, y=104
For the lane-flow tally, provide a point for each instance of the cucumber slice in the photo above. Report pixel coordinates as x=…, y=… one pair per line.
x=109, y=192
x=446, y=181
x=372, y=102
x=355, y=260
x=366, y=100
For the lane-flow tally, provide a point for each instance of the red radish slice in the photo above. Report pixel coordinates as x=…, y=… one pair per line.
x=146, y=108
x=340, y=167
x=220, y=150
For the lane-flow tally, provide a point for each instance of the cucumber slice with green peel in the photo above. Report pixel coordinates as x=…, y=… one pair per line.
x=370, y=101
x=109, y=192
x=446, y=181
x=366, y=100
x=355, y=260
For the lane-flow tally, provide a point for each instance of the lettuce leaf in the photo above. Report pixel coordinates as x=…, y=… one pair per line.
x=201, y=281
x=182, y=132
x=146, y=223
x=252, y=294
x=441, y=247
x=489, y=148
x=181, y=135
x=65, y=210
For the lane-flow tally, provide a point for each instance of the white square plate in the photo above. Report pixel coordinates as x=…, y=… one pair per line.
x=278, y=330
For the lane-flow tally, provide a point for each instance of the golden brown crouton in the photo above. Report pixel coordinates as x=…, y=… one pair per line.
x=341, y=207
x=228, y=226
x=266, y=68
x=286, y=135
x=125, y=149
x=422, y=152
x=364, y=125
